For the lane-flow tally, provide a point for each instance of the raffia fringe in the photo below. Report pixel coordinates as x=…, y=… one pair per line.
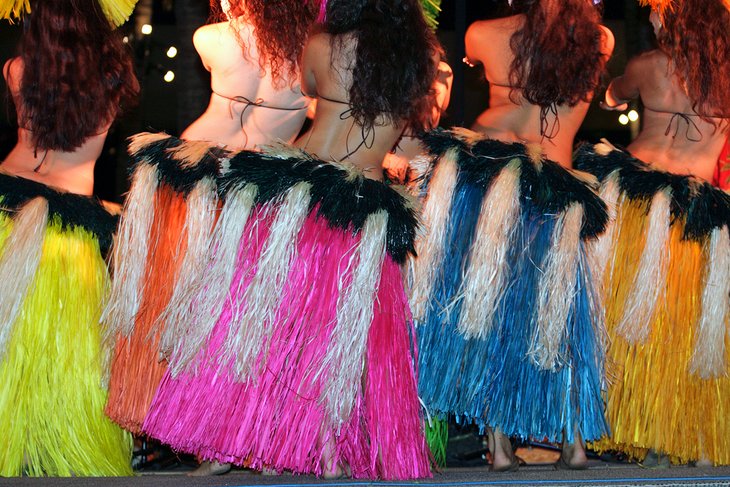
x=708, y=360
x=129, y=255
x=261, y=298
x=601, y=249
x=430, y=248
x=345, y=359
x=635, y=325
x=177, y=320
x=216, y=282
x=484, y=280
x=19, y=263
x=556, y=290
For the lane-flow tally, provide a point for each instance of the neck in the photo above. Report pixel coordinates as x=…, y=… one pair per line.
x=51, y=169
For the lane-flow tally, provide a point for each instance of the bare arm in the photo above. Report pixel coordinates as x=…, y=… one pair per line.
x=625, y=88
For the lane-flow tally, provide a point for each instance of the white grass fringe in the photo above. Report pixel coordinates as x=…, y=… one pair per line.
x=708, y=361
x=177, y=319
x=484, y=280
x=19, y=263
x=557, y=290
x=345, y=360
x=430, y=246
x=650, y=281
x=261, y=299
x=215, y=287
x=129, y=254
x=601, y=249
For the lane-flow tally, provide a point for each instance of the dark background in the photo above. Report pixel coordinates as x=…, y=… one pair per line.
x=170, y=107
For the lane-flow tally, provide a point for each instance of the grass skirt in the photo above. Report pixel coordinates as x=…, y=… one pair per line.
x=668, y=246
x=147, y=258
x=507, y=329
x=51, y=353
x=306, y=345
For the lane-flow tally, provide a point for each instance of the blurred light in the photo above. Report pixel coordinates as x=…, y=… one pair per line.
x=125, y=39
x=633, y=115
x=147, y=29
x=172, y=52
x=169, y=76
x=623, y=119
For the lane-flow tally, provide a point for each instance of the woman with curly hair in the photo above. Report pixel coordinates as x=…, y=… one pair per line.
x=291, y=350
x=70, y=81
x=665, y=256
x=501, y=287
x=253, y=53
x=255, y=97
x=684, y=86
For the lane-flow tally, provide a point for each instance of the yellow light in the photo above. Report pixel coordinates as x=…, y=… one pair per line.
x=169, y=76
x=172, y=52
x=623, y=119
x=633, y=115
x=147, y=29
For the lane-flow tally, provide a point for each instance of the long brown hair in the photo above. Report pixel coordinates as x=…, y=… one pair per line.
x=280, y=28
x=557, y=53
x=77, y=73
x=696, y=36
x=393, y=70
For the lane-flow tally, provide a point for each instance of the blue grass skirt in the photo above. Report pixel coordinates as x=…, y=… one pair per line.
x=495, y=380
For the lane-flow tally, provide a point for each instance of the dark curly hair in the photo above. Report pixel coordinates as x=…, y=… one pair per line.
x=695, y=35
x=556, y=52
x=280, y=27
x=77, y=73
x=393, y=69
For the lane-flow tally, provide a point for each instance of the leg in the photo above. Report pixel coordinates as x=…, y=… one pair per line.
x=573, y=455
x=331, y=467
x=207, y=468
x=503, y=458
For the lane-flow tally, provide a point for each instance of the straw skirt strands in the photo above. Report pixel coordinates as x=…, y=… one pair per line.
x=51, y=368
x=669, y=391
x=508, y=335
x=332, y=363
x=160, y=230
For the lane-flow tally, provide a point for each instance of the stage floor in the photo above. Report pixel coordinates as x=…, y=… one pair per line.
x=599, y=474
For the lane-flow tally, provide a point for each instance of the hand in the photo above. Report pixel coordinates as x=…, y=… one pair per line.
x=614, y=108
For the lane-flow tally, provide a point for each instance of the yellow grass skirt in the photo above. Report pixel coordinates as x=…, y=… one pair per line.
x=654, y=401
x=51, y=395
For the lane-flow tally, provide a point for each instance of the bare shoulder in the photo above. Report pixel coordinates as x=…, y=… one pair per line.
x=484, y=36
x=609, y=41
x=12, y=72
x=213, y=37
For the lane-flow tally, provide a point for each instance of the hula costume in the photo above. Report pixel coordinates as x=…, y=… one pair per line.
x=293, y=332
x=52, y=358
x=502, y=296
x=158, y=245
x=664, y=268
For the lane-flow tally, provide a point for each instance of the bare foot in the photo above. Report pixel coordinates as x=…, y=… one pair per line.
x=573, y=456
x=207, y=469
x=503, y=458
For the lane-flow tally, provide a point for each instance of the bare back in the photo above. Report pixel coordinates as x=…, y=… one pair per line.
x=515, y=119
x=70, y=171
x=233, y=117
x=673, y=136
x=335, y=136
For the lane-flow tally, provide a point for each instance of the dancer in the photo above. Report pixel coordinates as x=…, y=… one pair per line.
x=256, y=97
x=501, y=289
x=72, y=75
x=309, y=366
x=255, y=100
x=664, y=261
